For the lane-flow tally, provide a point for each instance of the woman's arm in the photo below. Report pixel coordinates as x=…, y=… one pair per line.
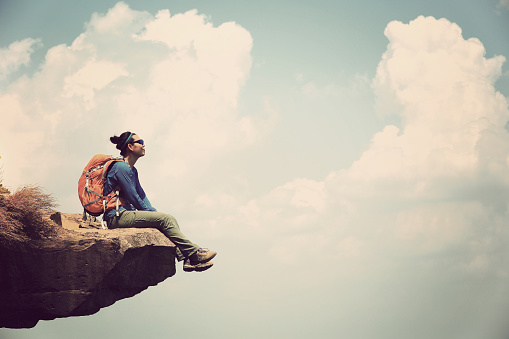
x=128, y=182
x=141, y=192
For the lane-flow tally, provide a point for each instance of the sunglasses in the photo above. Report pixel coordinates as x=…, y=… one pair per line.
x=141, y=142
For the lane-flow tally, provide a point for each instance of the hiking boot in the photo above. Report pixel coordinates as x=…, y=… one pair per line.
x=203, y=255
x=200, y=267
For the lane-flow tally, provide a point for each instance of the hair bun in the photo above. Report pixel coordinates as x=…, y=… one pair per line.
x=121, y=141
x=114, y=139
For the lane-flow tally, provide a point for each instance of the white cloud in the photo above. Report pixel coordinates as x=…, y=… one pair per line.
x=416, y=228
x=91, y=77
x=452, y=135
x=16, y=55
x=175, y=80
x=442, y=85
x=435, y=185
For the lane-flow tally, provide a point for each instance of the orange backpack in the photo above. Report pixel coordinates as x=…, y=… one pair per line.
x=91, y=187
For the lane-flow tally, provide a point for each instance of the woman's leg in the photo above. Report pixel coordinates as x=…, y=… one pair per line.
x=163, y=222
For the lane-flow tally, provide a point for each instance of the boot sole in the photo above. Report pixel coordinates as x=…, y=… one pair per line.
x=199, y=267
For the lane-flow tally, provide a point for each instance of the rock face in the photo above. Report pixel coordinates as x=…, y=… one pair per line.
x=80, y=271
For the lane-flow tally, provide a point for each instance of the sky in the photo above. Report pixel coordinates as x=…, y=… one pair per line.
x=348, y=161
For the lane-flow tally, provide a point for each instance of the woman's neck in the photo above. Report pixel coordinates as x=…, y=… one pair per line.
x=131, y=160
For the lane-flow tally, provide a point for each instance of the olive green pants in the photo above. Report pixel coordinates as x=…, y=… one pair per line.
x=163, y=222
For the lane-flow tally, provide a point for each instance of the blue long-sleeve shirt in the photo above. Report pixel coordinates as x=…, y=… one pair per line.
x=120, y=175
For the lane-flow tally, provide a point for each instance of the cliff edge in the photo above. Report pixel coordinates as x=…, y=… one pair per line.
x=78, y=269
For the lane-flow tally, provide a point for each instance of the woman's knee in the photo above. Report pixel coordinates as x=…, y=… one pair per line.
x=170, y=221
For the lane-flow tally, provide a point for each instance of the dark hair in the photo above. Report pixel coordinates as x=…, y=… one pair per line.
x=121, y=141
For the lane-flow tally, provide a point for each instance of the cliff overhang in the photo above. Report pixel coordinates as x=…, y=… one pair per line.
x=78, y=270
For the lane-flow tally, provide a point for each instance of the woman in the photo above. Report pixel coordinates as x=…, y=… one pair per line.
x=139, y=212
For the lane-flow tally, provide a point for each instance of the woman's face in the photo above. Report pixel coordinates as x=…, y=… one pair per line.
x=137, y=146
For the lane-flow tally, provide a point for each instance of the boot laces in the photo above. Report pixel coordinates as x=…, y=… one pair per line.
x=203, y=250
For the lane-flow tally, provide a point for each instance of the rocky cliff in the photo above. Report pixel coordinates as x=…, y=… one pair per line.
x=78, y=270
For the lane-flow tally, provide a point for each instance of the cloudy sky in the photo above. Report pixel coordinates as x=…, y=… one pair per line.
x=349, y=161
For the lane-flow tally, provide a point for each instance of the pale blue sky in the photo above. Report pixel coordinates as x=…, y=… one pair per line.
x=328, y=222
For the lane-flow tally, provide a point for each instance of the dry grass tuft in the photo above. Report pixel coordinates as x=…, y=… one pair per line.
x=21, y=215
x=33, y=198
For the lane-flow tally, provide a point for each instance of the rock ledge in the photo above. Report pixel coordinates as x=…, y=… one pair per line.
x=80, y=271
